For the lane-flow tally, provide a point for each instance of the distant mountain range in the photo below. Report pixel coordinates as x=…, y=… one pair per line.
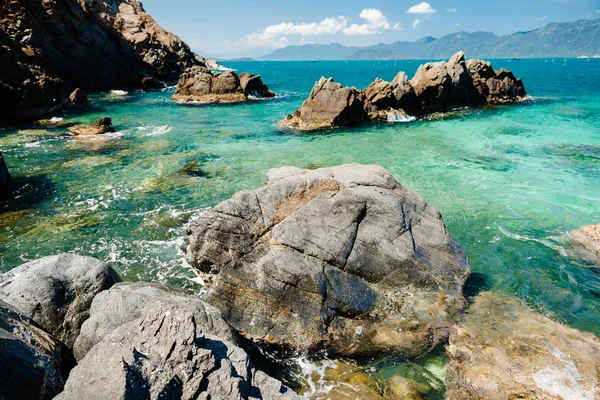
x=570, y=39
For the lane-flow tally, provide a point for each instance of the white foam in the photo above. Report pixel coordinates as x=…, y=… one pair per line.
x=396, y=116
x=55, y=120
x=119, y=92
x=563, y=383
x=155, y=130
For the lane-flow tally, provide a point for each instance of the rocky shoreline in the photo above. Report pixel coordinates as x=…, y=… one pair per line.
x=343, y=259
x=436, y=87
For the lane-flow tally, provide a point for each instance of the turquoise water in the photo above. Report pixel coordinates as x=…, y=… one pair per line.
x=510, y=181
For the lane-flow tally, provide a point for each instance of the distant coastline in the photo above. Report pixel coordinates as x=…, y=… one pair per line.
x=579, y=39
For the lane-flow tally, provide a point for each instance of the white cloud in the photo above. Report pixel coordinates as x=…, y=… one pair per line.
x=597, y=11
x=421, y=9
x=452, y=10
x=416, y=23
x=303, y=41
x=376, y=21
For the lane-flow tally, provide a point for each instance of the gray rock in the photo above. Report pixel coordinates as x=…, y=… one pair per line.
x=252, y=85
x=30, y=358
x=436, y=87
x=329, y=105
x=168, y=353
x=57, y=291
x=344, y=258
x=5, y=176
x=124, y=303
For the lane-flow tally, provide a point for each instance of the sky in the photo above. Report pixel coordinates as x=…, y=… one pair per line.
x=233, y=28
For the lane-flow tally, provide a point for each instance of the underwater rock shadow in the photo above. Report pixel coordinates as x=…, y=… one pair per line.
x=475, y=284
x=25, y=192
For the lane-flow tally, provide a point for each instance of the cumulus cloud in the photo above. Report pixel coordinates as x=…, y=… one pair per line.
x=422, y=9
x=376, y=21
x=452, y=10
x=416, y=23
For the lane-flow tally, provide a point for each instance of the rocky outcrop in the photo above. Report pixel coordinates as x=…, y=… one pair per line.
x=200, y=85
x=5, y=176
x=124, y=303
x=167, y=353
x=343, y=258
x=504, y=350
x=57, y=291
x=586, y=243
x=253, y=85
x=50, y=48
x=329, y=105
x=98, y=127
x=436, y=87
x=30, y=358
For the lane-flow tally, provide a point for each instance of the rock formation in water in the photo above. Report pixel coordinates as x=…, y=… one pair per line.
x=200, y=85
x=97, y=127
x=57, y=291
x=50, y=48
x=30, y=358
x=343, y=258
x=504, y=350
x=586, y=243
x=436, y=87
x=5, y=176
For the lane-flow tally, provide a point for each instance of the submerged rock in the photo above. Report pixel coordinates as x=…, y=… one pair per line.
x=343, y=258
x=586, y=242
x=504, y=350
x=200, y=85
x=329, y=105
x=124, y=303
x=30, y=358
x=57, y=291
x=436, y=87
x=167, y=353
x=98, y=127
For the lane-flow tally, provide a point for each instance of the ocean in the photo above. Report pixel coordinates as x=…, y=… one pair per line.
x=510, y=181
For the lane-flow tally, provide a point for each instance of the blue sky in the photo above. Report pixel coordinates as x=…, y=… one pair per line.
x=232, y=28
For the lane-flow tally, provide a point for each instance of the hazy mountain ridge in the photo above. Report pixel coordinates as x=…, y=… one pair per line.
x=569, y=39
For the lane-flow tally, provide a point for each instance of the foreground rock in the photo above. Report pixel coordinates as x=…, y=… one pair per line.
x=504, y=350
x=98, y=127
x=436, y=87
x=124, y=303
x=586, y=242
x=200, y=85
x=167, y=353
x=343, y=258
x=29, y=358
x=5, y=176
x=57, y=291
x=50, y=48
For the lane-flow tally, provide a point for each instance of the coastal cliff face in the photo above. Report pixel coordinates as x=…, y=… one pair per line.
x=50, y=48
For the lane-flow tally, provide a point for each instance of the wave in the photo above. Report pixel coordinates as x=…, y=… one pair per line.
x=155, y=130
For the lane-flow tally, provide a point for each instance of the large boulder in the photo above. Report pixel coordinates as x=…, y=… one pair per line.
x=97, y=127
x=167, y=353
x=30, y=358
x=343, y=258
x=329, y=105
x=252, y=85
x=504, y=350
x=57, y=291
x=124, y=303
x=436, y=87
x=200, y=85
x=586, y=243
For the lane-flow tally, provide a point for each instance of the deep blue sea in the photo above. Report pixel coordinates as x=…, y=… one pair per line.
x=510, y=181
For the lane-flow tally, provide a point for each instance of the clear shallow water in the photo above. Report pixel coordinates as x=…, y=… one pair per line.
x=510, y=181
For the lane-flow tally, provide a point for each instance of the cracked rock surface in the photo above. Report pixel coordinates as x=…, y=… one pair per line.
x=343, y=258
x=166, y=354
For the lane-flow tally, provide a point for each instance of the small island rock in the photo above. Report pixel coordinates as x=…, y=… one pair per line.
x=98, y=127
